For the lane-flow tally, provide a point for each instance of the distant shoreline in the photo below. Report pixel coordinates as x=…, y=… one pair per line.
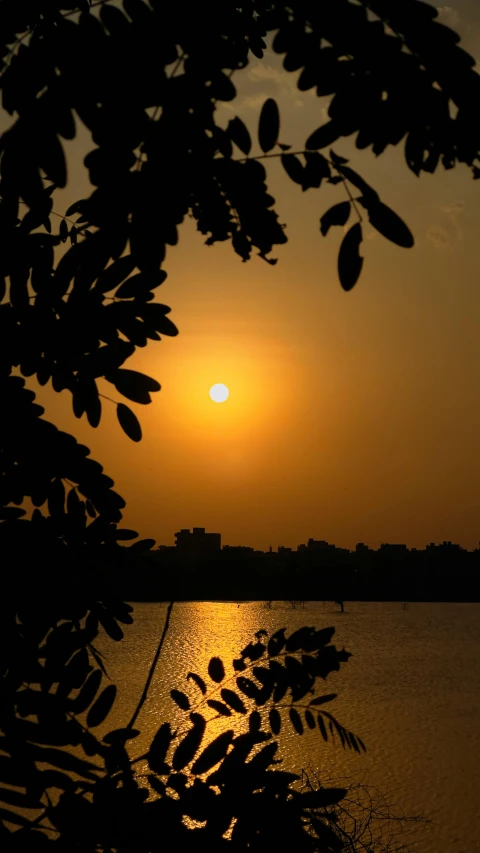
x=298, y=603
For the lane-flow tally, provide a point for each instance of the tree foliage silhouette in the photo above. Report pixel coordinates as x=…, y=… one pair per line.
x=192, y=792
x=78, y=296
x=148, y=96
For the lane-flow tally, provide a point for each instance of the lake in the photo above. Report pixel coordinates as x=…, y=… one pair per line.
x=411, y=690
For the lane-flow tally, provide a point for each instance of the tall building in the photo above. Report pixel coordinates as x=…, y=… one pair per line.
x=197, y=542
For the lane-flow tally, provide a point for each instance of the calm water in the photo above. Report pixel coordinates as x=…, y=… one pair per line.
x=411, y=691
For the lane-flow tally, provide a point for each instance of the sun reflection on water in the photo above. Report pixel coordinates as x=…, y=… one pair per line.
x=412, y=676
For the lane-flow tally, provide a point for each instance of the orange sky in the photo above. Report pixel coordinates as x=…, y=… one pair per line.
x=352, y=416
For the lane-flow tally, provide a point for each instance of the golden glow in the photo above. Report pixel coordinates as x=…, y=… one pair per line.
x=219, y=393
x=351, y=417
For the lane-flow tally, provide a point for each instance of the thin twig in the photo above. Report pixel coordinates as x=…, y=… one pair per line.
x=296, y=154
x=152, y=668
x=79, y=228
x=349, y=193
x=154, y=117
x=29, y=32
x=177, y=65
x=12, y=50
x=115, y=402
x=276, y=154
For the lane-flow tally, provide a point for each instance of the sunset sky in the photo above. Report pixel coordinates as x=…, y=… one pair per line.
x=352, y=416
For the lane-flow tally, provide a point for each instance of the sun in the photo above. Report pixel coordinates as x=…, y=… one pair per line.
x=219, y=393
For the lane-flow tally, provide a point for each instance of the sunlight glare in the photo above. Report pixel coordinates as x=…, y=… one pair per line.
x=219, y=393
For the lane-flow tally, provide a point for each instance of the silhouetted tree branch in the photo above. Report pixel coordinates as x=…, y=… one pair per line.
x=152, y=669
x=146, y=81
x=365, y=820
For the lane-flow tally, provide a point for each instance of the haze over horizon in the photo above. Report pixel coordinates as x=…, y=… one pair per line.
x=352, y=417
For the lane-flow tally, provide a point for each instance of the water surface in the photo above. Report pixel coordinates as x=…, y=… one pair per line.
x=411, y=691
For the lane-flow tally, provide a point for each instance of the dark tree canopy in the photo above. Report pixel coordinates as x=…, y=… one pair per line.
x=95, y=792
x=78, y=295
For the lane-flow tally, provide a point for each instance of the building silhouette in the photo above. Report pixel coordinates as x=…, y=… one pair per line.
x=198, y=568
x=197, y=542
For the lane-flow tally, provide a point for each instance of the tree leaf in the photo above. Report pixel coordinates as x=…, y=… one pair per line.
x=114, y=274
x=253, y=651
x=321, y=727
x=254, y=722
x=20, y=799
x=239, y=134
x=198, y=681
x=102, y=707
x=353, y=742
x=320, y=700
x=220, y=707
x=63, y=230
x=233, y=700
x=309, y=719
x=143, y=545
x=158, y=786
x=296, y=720
x=337, y=158
x=275, y=721
x=129, y=422
x=154, y=313
x=56, y=498
x=124, y=535
x=73, y=501
x=109, y=624
x=316, y=169
x=276, y=642
x=361, y=743
x=76, y=207
x=86, y=397
x=87, y=694
x=248, y=687
x=63, y=760
x=216, y=670
x=138, y=284
x=75, y=673
x=187, y=747
x=354, y=178
x=52, y=158
x=341, y=731
x=134, y=385
x=14, y=817
x=180, y=699
x=222, y=88
x=7, y=513
x=293, y=167
x=349, y=260
x=120, y=736
x=323, y=136
x=215, y=752
x=388, y=223
x=269, y=125
x=336, y=215
x=159, y=748
x=322, y=637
